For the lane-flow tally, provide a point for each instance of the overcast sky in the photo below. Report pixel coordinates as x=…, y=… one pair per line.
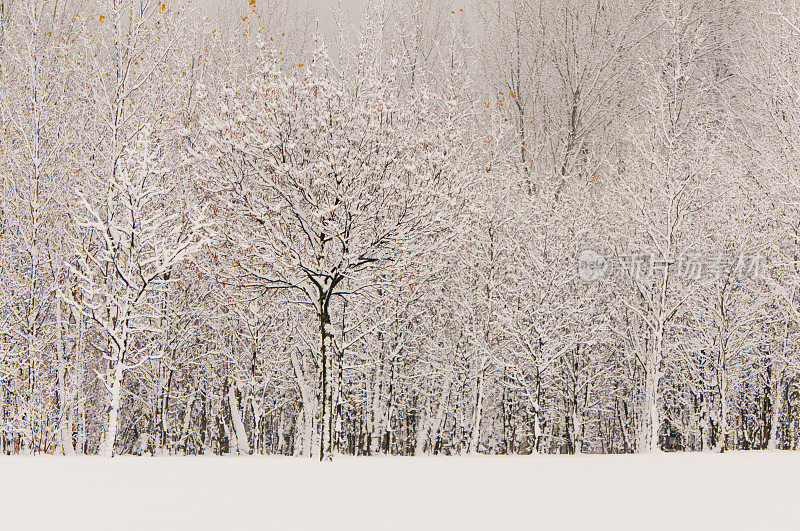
x=353, y=7
x=323, y=7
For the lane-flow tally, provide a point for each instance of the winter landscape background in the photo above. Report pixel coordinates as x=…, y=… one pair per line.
x=475, y=234
x=510, y=227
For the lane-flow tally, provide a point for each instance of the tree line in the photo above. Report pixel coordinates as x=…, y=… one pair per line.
x=514, y=227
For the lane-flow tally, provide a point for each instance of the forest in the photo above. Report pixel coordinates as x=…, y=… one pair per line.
x=505, y=227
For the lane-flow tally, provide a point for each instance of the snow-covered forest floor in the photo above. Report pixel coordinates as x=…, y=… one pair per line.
x=736, y=490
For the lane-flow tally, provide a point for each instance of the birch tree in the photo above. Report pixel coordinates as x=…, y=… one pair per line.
x=136, y=240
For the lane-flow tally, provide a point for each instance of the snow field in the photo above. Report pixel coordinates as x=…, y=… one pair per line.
x=737, y=490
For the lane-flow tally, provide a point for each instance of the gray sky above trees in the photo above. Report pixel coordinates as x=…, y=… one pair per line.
x=323, y=7
x=225, y=11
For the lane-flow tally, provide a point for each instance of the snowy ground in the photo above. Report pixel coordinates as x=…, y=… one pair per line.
x=755, y=490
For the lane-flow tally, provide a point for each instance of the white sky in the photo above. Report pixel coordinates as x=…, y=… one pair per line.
x=353, y=7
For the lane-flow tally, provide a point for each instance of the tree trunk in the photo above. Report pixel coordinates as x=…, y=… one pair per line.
x=475, y=438
x=308, y=411
x=242, y=444
x=776, y=402
x=80, y=404
x=722, y=386
x=64, y=413
x=107, y=449
x=183, y=440
x=648, y=434
x=326, y=437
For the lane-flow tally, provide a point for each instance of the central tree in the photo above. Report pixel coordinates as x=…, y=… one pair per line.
x=326, y=178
